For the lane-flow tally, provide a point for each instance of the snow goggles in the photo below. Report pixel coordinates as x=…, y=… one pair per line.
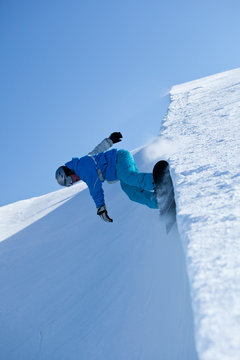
x=70, y=179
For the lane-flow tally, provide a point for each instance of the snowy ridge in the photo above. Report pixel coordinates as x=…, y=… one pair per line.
x=204, y=120
x=15, y=217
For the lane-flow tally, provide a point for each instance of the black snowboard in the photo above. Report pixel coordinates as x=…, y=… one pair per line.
x=164, y=193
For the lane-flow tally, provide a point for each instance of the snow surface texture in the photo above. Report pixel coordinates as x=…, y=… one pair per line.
x=204, y=121
x=76, y=288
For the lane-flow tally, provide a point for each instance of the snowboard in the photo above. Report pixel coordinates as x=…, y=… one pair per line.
x=164, y=193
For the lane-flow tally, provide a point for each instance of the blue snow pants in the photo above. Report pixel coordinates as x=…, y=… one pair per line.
x=138, y=186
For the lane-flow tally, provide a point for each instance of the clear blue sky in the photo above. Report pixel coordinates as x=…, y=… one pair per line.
x=74, y=71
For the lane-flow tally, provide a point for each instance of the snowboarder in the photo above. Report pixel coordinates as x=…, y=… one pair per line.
x=112, y=165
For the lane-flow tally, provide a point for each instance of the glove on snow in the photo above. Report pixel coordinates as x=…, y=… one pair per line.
x=115, y=137
x=102, y=212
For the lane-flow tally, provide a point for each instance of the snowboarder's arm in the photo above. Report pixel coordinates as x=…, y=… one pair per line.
x=106, y=143
x=103, y=146
x=96, y=191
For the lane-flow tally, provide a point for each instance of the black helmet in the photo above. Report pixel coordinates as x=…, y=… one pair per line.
x=63, y=176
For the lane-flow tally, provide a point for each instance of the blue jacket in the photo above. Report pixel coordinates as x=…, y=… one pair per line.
x=94, y=170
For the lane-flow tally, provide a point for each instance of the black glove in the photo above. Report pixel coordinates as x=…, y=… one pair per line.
x=115, y=137
x=102, y=212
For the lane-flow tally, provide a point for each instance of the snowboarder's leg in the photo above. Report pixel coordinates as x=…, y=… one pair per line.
x=128, y=173
x=143, y=197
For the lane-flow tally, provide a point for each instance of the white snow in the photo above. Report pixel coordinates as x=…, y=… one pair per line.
x=15, y=217
x=204, y=121
x=74, y=287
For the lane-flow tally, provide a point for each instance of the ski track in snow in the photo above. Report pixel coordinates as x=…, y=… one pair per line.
x=204, y=120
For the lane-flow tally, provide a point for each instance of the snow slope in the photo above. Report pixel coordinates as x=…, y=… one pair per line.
x=76, y=288
x=204, y=121
x=73, y=287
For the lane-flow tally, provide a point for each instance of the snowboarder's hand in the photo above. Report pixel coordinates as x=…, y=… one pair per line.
x=115, y=137
x=102, y=212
